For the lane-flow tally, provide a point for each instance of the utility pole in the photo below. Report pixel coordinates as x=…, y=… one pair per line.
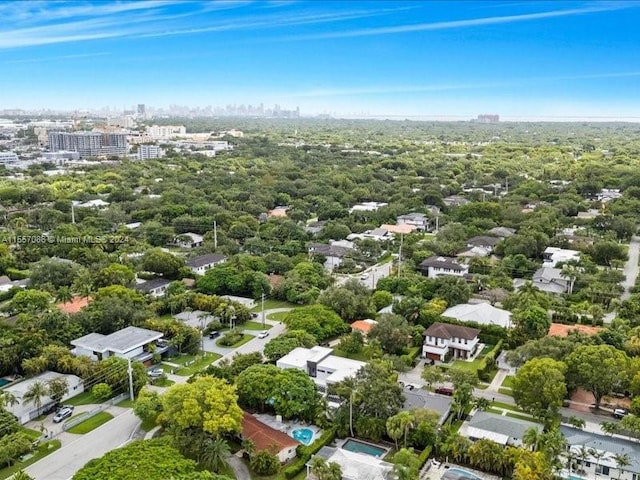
x=400, y=254
x=130, y=371
x=437, y=224
x=215, y=235
x=73, y=214
x=262, y=309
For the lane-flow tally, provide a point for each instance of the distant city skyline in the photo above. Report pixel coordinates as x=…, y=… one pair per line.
x=521, y=60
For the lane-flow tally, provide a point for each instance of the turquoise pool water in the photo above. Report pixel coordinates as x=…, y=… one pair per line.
x=459, y=474
x=4, y=381
x=573, y=477
x=361, y=447
x=303, y=435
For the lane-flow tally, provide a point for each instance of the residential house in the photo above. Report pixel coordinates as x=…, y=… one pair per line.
x=419, y=398
x=400, y=229
x=280, y=212
x=434, y=267
x=367, y=207
x=244, y=301
x=97, y=204
x=7, y=284
x=480, y=313
x=607, y=194
x=133, y=225
x=355, y=466
x=442, y=340
x=608, y=448
x=377, y=234
x=455, y=201
x=267, y=438
x=589, y=214
x=26, y=411
x=155, y=287
x=550, y=280
x=363, y=326
x=483, y=241
x=554, y=255
x=333, y=253
x=502, y=232
x=188, y=240
x=500, y=429
x=133, y=343
x=420, y=221
x=432, y=209
x=321, y=365
x=200, y=264
x=314, y=228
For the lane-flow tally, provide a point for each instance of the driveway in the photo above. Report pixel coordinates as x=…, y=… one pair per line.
x=376, y=272
x=64, y=463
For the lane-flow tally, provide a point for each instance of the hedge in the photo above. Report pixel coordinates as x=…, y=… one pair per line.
x=305, y=452
x=490, y=362
x=424, y=456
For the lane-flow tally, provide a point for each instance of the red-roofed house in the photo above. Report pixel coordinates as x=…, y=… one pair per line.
x=363, y=326
x=266, y=438
x=562, y=330
x=75, y=305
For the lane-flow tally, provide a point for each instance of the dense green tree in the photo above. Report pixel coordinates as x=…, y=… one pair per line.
x=163, y=263
x=392, y=332
x=318, y=320
x=539, y=387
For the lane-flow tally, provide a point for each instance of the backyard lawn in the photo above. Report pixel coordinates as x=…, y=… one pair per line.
x=245, y=338
x=477, y=364
x=91, y=423
x=192, y=364
x=278, y=316
x=42, y=451
x=271, y=304
x=85, y=398
x=508, y=381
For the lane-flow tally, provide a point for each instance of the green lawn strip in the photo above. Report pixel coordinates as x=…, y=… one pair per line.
x=521, y=417
x=506, y=406
x=162, y=382
x=32, y=434
x=278, y=316
x=148, y=424
x=508, y=381
x=506, y=391
x=471, y=366
x=362, y=356
x=198, y=365
x=271, y=304
x=85, y=398
x=42, y=451
x=494, y=410
x=255, y=326
x=126, y=403
x=245, y=338
x=91, y=423
x=482, y=386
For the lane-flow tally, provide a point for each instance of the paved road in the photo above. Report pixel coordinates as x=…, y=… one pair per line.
x=64, y=463
x=374, y=273
x=631, y=268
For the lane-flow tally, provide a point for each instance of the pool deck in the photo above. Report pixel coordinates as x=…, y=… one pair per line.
x=436, y=473
x=386, y=450
x=286, y=426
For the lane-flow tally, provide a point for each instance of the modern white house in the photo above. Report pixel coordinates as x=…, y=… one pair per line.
x=418, y=220
x=584, y=465
x=321, y=365
x=434, y=267
x=130, y=342
x=443, y=339
x=97, y=204
x=554, y=255
x=367, y=207
x=200, y=264
x=497, y=428
x=189, y=240
x=379, y=234
x=355, y=466
x=480, y=313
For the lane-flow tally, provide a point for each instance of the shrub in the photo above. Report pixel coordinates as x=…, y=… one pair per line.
x=424, y=456
x=264, y=463
x=230, y=338
x=101, y=391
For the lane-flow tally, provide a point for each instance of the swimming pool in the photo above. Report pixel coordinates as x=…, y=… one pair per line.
x=362, y=447
x=302, y=435
x=459, y=474
x=573, y=477
x=4, y=381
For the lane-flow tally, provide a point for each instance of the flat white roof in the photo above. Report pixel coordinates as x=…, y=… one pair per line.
x=122, y=341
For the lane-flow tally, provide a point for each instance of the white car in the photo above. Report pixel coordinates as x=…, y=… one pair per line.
x=63, y=413
x=364, y=276
x=155, y=373
x=264, y=334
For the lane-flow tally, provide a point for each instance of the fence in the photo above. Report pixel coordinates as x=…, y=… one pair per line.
x=86, y=415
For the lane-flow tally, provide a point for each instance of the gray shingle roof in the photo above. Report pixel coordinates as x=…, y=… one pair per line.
x=208, y=259
x=446, y=330
x=440, y=262
x=511, y=427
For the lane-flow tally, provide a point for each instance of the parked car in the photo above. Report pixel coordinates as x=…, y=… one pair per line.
x=54, y=407
x=620, y=412
x=444, y=391
x=62, y=414
x=156, y=373
x=364, y=276
x=263, y=334
x=214, y=334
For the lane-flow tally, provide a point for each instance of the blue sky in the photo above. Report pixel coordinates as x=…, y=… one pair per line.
x=459, y=58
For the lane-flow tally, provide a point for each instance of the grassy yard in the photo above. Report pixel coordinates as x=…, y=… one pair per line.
x=42, y=451
x=506, y=406
x=255, y=326
x=362, y=355
x=148, y=425
x=197, y=365
x=271, y=304
x=506, y=391
x=32, y=434
x=278, y=316
x=245, y=338
x=127, y=403
x=508, y=381
x=85, y=398
x=523, y=416
x=162, y=382
x=91, y=423
x=477, y=364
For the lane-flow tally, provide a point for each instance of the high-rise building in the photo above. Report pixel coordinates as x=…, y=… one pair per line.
x=142, y=110
x=150, y=151
x=89, y=144
x=488, y=118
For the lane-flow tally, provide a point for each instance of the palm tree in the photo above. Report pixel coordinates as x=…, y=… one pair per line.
x=249, y=446
x=21, y=475
x=570, y=272
x=407, y=421
x=36, y=392
x=609, y=428
x=215, y=453
x=531, y=438
x=64, y=295
x=583, y=454
x=622, y=460
x=83, y=283
x=597, y=455
x=8, y=399
x=323, y=470
x=394, y=429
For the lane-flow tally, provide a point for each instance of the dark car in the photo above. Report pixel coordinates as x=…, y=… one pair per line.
x=54, y=407
x=445, y=391
x=214, y=334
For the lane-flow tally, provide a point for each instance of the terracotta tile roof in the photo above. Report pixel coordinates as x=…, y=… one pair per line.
x=561, y=330
x=75, y=305
x=363, y=325
x=263, y=436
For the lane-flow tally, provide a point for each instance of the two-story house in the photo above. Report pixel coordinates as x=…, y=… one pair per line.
x=332, y=253
x=434, y=267
x=131, y=342
x=418, y=220
x=442, y=340
x=550, y=280
x=200, y=264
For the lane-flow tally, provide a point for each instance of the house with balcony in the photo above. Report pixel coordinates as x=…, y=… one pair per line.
x=200, y=264
x=434, y=267
x=443, y=340
x=137, y=344
x=420, y=221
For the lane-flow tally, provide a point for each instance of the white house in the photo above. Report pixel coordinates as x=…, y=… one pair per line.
x=97, y=204
x=550, y=280
x=437, y=266
x=333, y=254
x=267, y=438
x=608, y=194
x=367, y=207
x=129, y=343
x=377, y=234
x=202, y=263
x=355, y=466
x=189, y=240
x=480, y=313
x=319, y=363
x=7, y=284
x=418, y=220
x=443, y=339
x=155, y=287
x=497, y=428
x=27, y=411
x=554, y=255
